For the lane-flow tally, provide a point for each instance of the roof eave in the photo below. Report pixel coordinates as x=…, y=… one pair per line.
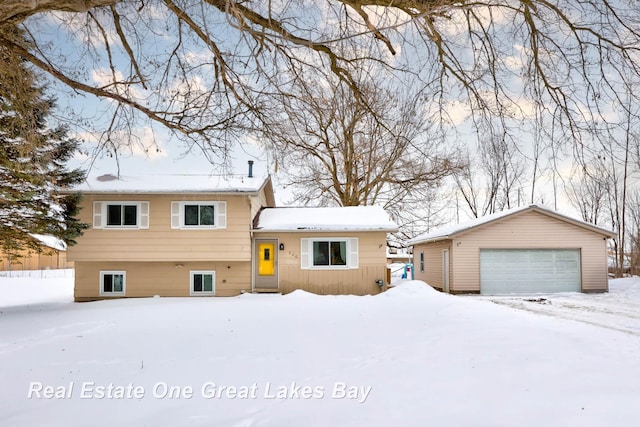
x=430, y=240
x=267, y=187
x=222, y=192
x=590, y=227
x=324, y=230
x=248, y=191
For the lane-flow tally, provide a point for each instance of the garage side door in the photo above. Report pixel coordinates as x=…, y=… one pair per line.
x=513, y=271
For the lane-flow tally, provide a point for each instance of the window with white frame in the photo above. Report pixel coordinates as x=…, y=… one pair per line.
x=133, y=215
x=421, y=262
x=329, y=253
x=113, y=282
x=198, y=215
x=203, y=282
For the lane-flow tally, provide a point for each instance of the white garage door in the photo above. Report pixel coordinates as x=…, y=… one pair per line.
x=512, y=271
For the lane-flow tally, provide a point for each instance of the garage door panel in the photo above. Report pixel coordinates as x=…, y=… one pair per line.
x=504, y=271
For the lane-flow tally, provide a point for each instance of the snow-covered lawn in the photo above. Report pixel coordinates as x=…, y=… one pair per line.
x=619, y=309
x=29, y=288
x=408, y=357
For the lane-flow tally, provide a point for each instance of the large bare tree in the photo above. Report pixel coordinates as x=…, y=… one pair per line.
x=198, y=66
x=587, y=192
x=633, y=232
x=336, y=149
x=606, y=180
x=492, y=180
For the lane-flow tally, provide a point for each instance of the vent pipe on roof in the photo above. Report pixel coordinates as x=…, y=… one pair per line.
x=106, y=177
x=250, y=168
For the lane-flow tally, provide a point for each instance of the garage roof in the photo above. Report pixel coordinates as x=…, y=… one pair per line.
x=455, y=230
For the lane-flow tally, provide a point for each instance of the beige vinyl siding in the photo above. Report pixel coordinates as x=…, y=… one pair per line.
x=264, y=199
x=146, y=279
x=432, y=263
x=529, y=230
x=358, y=281
x=161, y=243
x=332, y=282
x=257, y=203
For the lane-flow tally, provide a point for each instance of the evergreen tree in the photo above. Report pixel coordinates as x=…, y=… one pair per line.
x=33, y=160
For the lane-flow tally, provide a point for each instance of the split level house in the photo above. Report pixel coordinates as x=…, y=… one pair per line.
x=195, y=235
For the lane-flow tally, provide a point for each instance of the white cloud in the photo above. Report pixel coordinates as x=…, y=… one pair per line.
x=197, y=58
x=86, y=30
x=114, y=82
x=105, y=77
x=457, y=112
x=141, y=142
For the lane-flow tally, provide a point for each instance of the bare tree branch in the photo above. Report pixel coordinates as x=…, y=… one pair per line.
x=570, y=59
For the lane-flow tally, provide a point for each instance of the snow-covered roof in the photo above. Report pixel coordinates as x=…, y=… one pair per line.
x=171, y=183
x=50, y=241
x=348, y=218
x=448, y=232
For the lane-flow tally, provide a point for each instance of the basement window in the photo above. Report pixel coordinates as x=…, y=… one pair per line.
x=112, y=283
x=203, y=283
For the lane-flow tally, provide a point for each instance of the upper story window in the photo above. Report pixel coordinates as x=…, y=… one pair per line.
x=329, y=253
x=198, y=215
x=122, y=215
x=134, y=215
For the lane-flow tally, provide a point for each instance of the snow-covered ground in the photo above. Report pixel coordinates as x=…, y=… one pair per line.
x=408, y=357
x=618, y=309
x=34, y=287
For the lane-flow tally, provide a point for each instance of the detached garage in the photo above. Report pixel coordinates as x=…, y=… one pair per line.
x=525, y=250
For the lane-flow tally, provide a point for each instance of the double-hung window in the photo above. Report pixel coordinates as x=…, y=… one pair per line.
x=329, y=253
x=421, y=262
x=121, y=214
x=198, y=215
x=112, y=283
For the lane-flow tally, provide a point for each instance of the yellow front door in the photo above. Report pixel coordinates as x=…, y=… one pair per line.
x=266, y=259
